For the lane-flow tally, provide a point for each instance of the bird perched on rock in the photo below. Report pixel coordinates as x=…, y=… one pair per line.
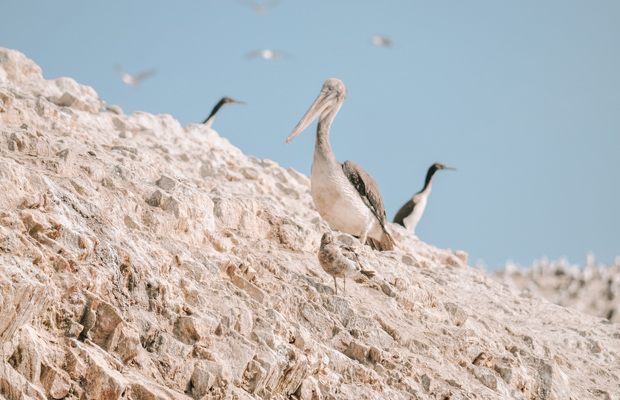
x=409, y=215
x=225, y=100
x=344, y=194
x=340, y=261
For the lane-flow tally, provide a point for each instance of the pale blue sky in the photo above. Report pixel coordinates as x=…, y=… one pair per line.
x=523, y=97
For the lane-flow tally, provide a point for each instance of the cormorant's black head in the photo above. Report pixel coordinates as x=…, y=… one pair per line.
x=440, y=166
x=431, y=171
x=327, y=238
x=226, y=100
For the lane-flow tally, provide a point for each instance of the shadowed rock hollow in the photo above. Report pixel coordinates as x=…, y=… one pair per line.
x=144, y=260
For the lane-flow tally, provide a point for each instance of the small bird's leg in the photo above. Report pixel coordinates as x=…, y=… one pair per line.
x=345, y=285
x=335, y=285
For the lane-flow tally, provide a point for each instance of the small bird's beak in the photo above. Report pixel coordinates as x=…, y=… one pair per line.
x=322, y=102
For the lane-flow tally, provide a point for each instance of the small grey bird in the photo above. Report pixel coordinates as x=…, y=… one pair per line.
x=340, y=261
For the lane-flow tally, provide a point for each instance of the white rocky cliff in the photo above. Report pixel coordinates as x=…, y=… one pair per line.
x=144, y=260
x=594, y=289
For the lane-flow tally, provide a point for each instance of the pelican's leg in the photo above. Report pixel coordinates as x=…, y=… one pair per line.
x=363, y=236
x=336, y=285
x=365, y=230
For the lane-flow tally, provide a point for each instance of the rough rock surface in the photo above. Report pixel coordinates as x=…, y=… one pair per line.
x=593, y=289
x=194, y=269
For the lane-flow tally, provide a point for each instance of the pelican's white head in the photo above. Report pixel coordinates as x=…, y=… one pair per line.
x=332, y=95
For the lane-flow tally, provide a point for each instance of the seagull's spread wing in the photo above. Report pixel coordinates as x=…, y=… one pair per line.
x=143, y=75
x=254, y=54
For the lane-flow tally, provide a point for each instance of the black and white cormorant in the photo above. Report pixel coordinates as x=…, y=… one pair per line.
x=409, y=215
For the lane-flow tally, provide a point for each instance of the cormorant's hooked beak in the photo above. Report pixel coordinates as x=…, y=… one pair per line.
x=450, y=168
x=322, y=102
x=237, y=102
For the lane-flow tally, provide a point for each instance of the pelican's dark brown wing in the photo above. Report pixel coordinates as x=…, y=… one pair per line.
x=368, y=190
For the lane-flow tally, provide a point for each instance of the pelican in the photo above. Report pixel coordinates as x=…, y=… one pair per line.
x=225, y=100
x=382, y=41
x=345, y=195
x=134, y=80
x=409, y=215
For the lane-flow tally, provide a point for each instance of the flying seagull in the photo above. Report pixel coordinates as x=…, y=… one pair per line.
x=382, y=41
x=260, y=8
x=134, y=80
x=266, y=54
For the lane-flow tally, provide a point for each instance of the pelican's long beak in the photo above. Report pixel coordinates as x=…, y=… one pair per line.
x=322, y=102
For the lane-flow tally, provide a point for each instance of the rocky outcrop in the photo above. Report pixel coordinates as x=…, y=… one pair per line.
x=144, y=260
x=593, y=289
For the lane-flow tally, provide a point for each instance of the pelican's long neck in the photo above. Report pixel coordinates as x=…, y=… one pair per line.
x=429, y=180
x=322, y=147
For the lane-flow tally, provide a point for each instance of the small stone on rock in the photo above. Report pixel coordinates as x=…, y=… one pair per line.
x=166, y=183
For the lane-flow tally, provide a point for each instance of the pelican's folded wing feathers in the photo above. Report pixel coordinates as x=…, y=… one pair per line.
x=367, y=188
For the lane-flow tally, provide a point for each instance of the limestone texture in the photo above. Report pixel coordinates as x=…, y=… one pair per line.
x=194, y=270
